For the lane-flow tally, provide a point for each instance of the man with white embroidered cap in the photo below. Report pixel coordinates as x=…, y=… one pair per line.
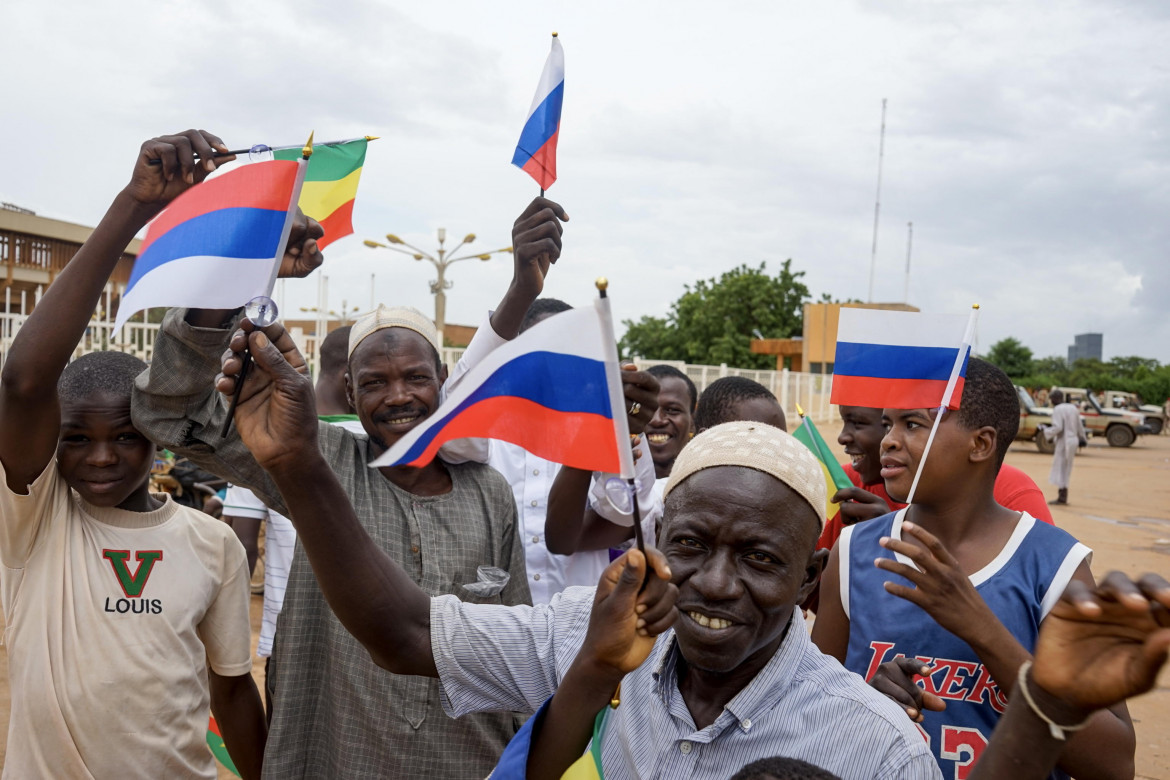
x=736, y=679
x=336, y=714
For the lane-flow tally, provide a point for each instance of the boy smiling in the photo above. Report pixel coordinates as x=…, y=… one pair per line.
x=127, y=615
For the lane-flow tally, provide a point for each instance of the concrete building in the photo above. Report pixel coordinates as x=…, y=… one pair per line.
x=33, y=250
x=816, y=349
x=1085, y=345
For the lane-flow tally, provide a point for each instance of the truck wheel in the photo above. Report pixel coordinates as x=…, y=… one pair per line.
x=1120, y=435
x=1155, y=424
x=1042, y=443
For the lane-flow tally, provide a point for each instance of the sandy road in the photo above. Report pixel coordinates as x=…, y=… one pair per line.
x=1120, y=507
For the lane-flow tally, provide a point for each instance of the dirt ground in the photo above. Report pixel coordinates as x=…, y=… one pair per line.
x=1120, y=507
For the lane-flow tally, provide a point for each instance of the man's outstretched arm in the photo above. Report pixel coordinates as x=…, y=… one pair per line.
x=371, y=595
x=1098, y=647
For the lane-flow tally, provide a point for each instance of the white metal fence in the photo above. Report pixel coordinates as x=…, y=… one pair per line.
x=811, y=391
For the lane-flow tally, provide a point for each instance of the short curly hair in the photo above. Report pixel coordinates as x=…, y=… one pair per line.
x=717, y=401
x=662, y=370
x=99, y=372
x=781, y=768
x=989, y=399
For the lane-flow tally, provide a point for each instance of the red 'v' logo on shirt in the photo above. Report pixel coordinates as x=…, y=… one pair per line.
x=132, y=584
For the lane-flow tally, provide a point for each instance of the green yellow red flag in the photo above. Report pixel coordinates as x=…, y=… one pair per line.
x=835, y=477
x=218, y=749
x=331, y=183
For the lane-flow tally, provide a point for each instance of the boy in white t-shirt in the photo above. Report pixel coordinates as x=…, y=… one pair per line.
x=126, y=614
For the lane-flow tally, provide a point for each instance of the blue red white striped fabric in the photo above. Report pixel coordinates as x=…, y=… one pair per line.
x=897, y=359
x=536, y=151
x=215, y=246
x=555, y=390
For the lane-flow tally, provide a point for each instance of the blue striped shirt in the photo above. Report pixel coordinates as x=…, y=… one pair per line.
x=803, y=704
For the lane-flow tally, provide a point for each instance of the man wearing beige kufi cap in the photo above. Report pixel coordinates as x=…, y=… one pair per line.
x=736, y=678
x=336, y=713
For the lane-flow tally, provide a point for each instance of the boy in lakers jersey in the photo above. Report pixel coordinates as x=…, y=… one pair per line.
x=952, y=589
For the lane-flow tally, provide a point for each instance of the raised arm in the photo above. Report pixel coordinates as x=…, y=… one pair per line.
x=1098, y=647
x=30, y=416
x=373, y=597
x=536, y=245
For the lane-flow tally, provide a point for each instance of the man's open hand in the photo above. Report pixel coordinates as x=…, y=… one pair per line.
x=1099, y=646
x=276, y=413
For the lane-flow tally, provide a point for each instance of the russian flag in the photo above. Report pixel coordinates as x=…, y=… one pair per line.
x=536, y=151
x=900, y=360
x=554, y=390
x=218, y=244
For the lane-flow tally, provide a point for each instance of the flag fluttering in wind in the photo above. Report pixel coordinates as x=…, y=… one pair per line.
x=900, y=360
x=835, y=477
x=219, y=244
x=555, y=390
x=536, y=152
x=331, y=184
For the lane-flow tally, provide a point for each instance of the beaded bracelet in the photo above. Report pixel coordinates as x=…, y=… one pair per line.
x=1055, y=729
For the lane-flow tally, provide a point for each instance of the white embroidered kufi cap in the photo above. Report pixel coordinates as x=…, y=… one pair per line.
x=396, y=317
x=755, y=446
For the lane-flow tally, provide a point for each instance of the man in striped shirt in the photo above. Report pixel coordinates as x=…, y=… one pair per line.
x=735, y=680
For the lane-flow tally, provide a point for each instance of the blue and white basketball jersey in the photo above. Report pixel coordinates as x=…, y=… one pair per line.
x=1020, y=585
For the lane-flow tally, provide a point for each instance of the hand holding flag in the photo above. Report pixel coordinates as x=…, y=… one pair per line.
x=221, y=243
x=916, y=361
x=167, y=166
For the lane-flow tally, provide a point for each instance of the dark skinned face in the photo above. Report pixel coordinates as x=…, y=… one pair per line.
x=670, y=428
x=906, y=433
x=861, y=436
x=740, y=544
x=393, y=384
x=102, y=455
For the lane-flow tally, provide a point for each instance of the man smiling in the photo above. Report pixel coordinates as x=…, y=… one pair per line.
x=736, y=680
x=335, y=714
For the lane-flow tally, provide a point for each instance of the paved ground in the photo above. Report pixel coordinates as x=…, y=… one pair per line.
x=1120, y=507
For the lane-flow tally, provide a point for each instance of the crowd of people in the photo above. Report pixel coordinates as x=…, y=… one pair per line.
x=488, y=613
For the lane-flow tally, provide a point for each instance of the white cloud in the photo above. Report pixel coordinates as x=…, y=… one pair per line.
x=1026, y=141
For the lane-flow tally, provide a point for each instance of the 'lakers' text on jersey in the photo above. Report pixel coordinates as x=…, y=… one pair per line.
x=1020, y=585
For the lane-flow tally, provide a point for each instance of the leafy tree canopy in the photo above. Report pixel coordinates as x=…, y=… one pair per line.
x=715, y=320
x=1012, y=356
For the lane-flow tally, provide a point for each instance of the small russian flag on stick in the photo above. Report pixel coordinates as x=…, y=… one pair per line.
x=536, y=151
x=903, y=360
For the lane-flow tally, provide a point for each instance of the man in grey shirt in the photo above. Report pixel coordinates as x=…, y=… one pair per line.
x=735, y=679
x=336, y=714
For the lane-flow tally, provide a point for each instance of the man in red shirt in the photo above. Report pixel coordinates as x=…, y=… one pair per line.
x=861, y=436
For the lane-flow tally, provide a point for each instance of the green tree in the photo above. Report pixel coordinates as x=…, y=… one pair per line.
x=714, y=320
x=1012, y=356
x=653, y=337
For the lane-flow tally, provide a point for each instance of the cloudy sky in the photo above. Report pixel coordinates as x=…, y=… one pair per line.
x=1027, y=141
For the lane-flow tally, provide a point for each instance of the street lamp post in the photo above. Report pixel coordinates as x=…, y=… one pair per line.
x=441, y=284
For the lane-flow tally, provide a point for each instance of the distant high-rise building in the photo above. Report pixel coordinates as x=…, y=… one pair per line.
x=1085, y=345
